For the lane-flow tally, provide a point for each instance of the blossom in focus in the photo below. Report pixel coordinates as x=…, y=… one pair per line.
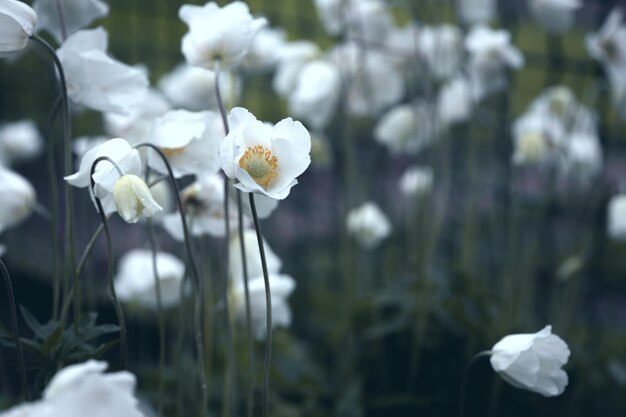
x=369, y=225
x=406, y=128
x=416, y=180
x=556, y=16
x=19, y=141
x=133, y=199
x=473, y=12
x=94, y=79
x=77, y=388
x=135, y=281
x=77, y=14
x=616, y=217
x=532, y=361
x=17, y=197
x=217, y=33
x=264, y=159
x=17, y=22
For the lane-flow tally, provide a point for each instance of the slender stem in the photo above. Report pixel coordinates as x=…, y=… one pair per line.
x=466, y=378
x=116, y=303
x=250, y=341
x=16, y=334
x=196, y=279
x=268, y=307
x=61, y=13
x=218, y=94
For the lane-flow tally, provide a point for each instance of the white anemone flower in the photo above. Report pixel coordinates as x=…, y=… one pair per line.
x=189, y=140
x=473, y=12
x=77, y=14
x=217, y=33
x=441, y=47
x=135, y=281
x=332, y=13
x=407, y=129
x=17, y=198
x=17, y=22
x=133, y=199
x=19, y=141
x=292, y=57
x=264, y=159
x=263, y=53
x=455, y=101
x=555, y=16
x=316, y=95
x=416, y=181
x=532, y=361
x=77, y=388
x=369, y=225
x=193, y=88
x=253, y=257
x=94, y=79
x=616, y=217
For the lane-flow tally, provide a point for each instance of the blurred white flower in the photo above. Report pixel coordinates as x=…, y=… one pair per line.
x=535, y=138
x=135, y=281
x=406, y=128
x=19, y=141
x=218, y=33
x=406, y=45
x=532, y=361
x=263, y=53
x=455, y=101
x=292, y=57
x=368, y=224
x=368, y=20
x=317, y=91
x=189, y=140
x=133, y=199
x=17, y=198
x=616, y=217
x=264, y=159
x=253, y=257
x=94, y=79
x=441, y=47
x=473, y=12
x=556, y=16
x=193, y=88
x=416, y=180
x=491, y=54
x=332, y=13
x=77, y=14
x=583, y=155
x=17, y=22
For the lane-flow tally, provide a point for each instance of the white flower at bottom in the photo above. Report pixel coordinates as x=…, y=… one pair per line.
x=17, y=197
x=133, y=199
x=369, y=225
x=532, y=361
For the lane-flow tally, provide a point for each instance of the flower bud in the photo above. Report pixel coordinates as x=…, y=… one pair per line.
x=133, y=199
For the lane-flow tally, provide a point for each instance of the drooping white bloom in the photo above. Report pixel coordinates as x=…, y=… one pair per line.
x=17, y=22
x=189, y=140
x=316, y=94
x=616, y=217
x=17, y=197
x=106, y=174
x=416, y=180
x=369, y=225
x=556, y=16
x=406, y=128
x=193, y=88
x=133, y=199
x=292, y=57
x=532, y=361
x=441, y=48
x=135, y=281
x=218, y=33
x=455, y=101
x=77, y=388
x=96, y=80
x=473, y=12
x=264, y=51
x=77, y=14
x=19, y=141
x=262, y=158
x=491, y=53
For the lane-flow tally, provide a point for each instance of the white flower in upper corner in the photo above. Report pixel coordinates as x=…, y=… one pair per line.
x=556, y=16
x=135, y=281
x=406, y=128
x=473, y=12
x=77, y=14
x=94, y=79
x=369, y=225
x=19, y=141
x=77, y=388
x=17, y=22
x=264, y=51
x=441, y=47
x=189, y=140
x=416, y=181
x=616, y=217
x=316, y=94
x=133, y=199
x=193, y=88
x=455, y=101
x=264, y=159
x=218, y=33
x=532, y=361
x=17, y=197
x=292, y=57
x=491, y=53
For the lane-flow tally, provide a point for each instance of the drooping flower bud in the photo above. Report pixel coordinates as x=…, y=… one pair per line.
x=133, y=199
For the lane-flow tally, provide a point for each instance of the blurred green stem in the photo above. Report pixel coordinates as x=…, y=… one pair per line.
x=465, y=380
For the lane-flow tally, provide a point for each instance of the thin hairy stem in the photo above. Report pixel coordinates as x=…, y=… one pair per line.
x=15, y=329
x=116, y=303
x=466, y=378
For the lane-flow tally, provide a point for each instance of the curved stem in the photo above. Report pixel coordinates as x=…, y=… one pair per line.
x=466, y=378
x=15, y=329
x=268, y=308
x=116, y=303
x=196, y=278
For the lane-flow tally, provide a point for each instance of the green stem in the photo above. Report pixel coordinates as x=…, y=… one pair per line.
x=466, y=379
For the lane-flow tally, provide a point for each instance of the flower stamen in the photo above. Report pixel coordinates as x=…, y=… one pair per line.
x=260, y=164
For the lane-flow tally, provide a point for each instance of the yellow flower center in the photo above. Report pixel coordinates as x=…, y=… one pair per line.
x=170, y=152
x=261, y=164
